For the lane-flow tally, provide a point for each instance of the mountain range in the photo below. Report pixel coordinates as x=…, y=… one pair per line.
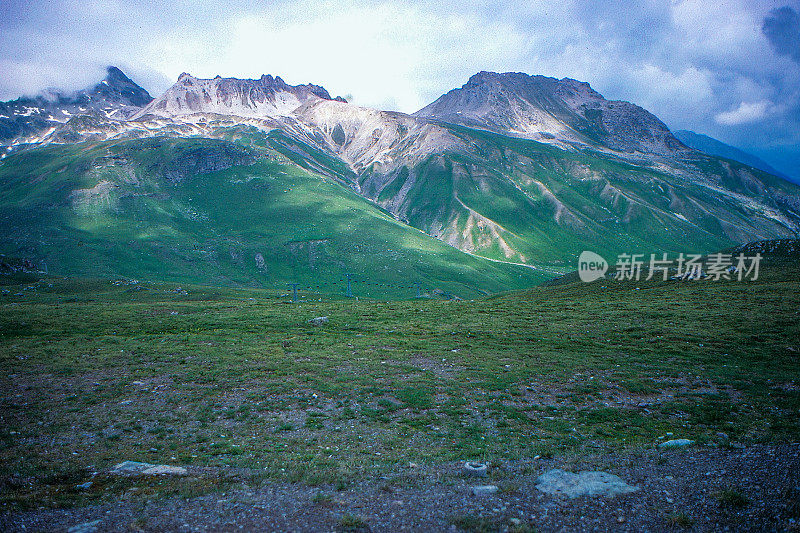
x=496, y=185
x=712, y=146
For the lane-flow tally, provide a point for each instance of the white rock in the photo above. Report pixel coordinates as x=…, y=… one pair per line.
x=560, y=483
x=130, y=467
x=676, y=443
x=484, y=490
x=86, y=527
x=135, y=468
x=166, y=469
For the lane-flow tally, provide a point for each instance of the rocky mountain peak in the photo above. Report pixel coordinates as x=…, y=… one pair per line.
x=482, y=78
x=266, y=96
x=526, y=84
x=565, y=112
x=115, y=74
x=116, y=97
x=118, y=88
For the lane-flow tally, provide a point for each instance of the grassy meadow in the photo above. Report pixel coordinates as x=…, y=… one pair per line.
x=95, y=372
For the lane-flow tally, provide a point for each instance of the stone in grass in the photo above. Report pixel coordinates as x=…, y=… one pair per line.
x=86, y=527
x=474, y=468
x=131, y=467
x=676, y=443
x=135, y=468
x=319, y=321
x=484, y=490
x=167, y=470
x=560, y=483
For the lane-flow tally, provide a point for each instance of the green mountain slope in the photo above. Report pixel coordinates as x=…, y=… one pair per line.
x=218, y=212
x=521, y=200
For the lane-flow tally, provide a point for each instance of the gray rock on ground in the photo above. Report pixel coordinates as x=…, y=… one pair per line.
x=130, y=467
x=135, y=467
x=561, y=483
x=319, y=321
x=86, y=527
x=473, y=468
x=166, y=469
x=484, y=490
x=676, y=443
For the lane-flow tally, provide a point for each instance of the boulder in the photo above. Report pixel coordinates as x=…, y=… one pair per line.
x=560, y=483
x=86, y=527
x=166, y=469
x=484, y=490
x=473, y=468
x=676, y=443
x=132, y=468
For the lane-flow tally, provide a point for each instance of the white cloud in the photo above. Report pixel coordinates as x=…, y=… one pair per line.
x=384, y=55
x=30, y=77
x=746, y=112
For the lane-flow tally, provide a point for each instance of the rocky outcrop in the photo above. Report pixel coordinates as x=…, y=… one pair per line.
x=116, y=96
x=549, y=110
x=265, y=97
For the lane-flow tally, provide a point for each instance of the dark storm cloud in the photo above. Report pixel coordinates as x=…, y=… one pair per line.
x=782, y=28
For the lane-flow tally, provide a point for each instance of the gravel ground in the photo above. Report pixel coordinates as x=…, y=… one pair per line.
x=699, y=489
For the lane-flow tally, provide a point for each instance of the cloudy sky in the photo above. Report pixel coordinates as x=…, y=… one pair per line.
x=729, y=69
